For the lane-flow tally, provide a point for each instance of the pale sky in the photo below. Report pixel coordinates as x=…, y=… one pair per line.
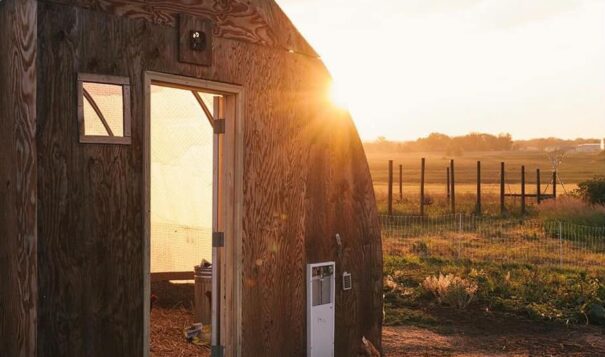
x=533, y=68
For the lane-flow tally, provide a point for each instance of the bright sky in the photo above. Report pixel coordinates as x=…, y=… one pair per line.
x=533, y=68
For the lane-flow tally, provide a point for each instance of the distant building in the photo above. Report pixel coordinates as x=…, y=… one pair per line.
x=591, y=147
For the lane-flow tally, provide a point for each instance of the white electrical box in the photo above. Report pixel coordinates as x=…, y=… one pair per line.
x=321, y=288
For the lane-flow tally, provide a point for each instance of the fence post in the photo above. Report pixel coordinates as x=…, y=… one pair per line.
x=523, y=189
x=478, y=208
x=502, y=208
x=447, y=174
x=560, y=244
x=390, y=189
x=538, y=189
x=453, y=190
x=400, y=182
x=554, y=184
x=422, y=166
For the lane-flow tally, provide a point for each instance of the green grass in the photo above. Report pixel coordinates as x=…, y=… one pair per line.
x=536, y=292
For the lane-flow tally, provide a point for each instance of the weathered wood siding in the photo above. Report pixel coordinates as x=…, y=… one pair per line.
x=260, y=21
x=18, y=285
x=90, y=208
x=305, y=179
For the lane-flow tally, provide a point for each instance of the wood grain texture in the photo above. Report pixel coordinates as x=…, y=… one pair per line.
x=18, y=239
x=340, y=200
x=256, y=21
x=90, y=211
x=305, y=179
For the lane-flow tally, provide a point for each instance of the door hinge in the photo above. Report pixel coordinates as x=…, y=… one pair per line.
x=218, y=239
x=219, y=126
x=217, y=351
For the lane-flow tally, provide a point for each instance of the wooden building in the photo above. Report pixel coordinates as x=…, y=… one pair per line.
x=295, y=187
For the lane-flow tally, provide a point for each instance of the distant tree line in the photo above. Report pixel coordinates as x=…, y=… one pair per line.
x=542, y=144
x=437, y=142
x=456, y=145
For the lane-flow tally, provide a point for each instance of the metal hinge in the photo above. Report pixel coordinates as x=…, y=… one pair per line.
x=219, y=126
x=217, y=351
x=218, y=239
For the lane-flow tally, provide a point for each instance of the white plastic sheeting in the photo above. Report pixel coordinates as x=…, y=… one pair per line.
x=181, y=180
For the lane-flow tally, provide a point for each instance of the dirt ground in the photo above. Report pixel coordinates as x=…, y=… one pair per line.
x=454, y=333
x=488, y=336
x=494, y=335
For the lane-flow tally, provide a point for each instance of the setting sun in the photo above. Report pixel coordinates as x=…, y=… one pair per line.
x=338, y=95
x=407, y=68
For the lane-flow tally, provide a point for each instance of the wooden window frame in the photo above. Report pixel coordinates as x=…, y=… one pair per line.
x=124, y=82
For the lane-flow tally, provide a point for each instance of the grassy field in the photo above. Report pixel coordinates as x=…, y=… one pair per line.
x=518, y=268
x=537, y=291
x=576, y=167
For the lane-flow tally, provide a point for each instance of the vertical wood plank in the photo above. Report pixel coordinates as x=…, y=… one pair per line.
x=91, y=204
x=18, y=174
x=146, y=214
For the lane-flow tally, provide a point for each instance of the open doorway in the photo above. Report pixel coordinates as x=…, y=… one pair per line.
x=192, y=231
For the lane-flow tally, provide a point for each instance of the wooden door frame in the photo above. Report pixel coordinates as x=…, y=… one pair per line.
x=232, y=207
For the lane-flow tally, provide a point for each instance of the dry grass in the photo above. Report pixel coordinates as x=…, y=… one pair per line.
x=573, y=209
x=439, y=204
x=521, y=248
x=450, y=289
x=575, y=168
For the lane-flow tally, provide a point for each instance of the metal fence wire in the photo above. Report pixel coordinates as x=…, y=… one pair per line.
x=492, y=239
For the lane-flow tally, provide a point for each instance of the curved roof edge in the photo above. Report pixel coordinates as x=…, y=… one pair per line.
x=256, y=21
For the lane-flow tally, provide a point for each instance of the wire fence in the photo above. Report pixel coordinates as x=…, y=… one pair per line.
x=498, y=240
x=176, y=247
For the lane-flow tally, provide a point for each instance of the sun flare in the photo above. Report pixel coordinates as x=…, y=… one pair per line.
x=339, y=96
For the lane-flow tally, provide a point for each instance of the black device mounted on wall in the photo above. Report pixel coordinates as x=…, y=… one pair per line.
x=195, y=40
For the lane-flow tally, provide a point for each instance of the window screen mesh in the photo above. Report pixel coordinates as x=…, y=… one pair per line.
x=109, y=99
x=181, y=181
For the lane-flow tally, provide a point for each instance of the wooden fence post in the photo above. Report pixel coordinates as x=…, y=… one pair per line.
x=554, y=184
x=502, y=207
x=422, y=167
x=523, y=189
x=538, y=189
x=400, y=182
x=447, y=183
x=453, y=190
x=478, y=208
x=390, y=189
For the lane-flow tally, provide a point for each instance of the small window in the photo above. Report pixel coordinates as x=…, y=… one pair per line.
x=104, y=109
